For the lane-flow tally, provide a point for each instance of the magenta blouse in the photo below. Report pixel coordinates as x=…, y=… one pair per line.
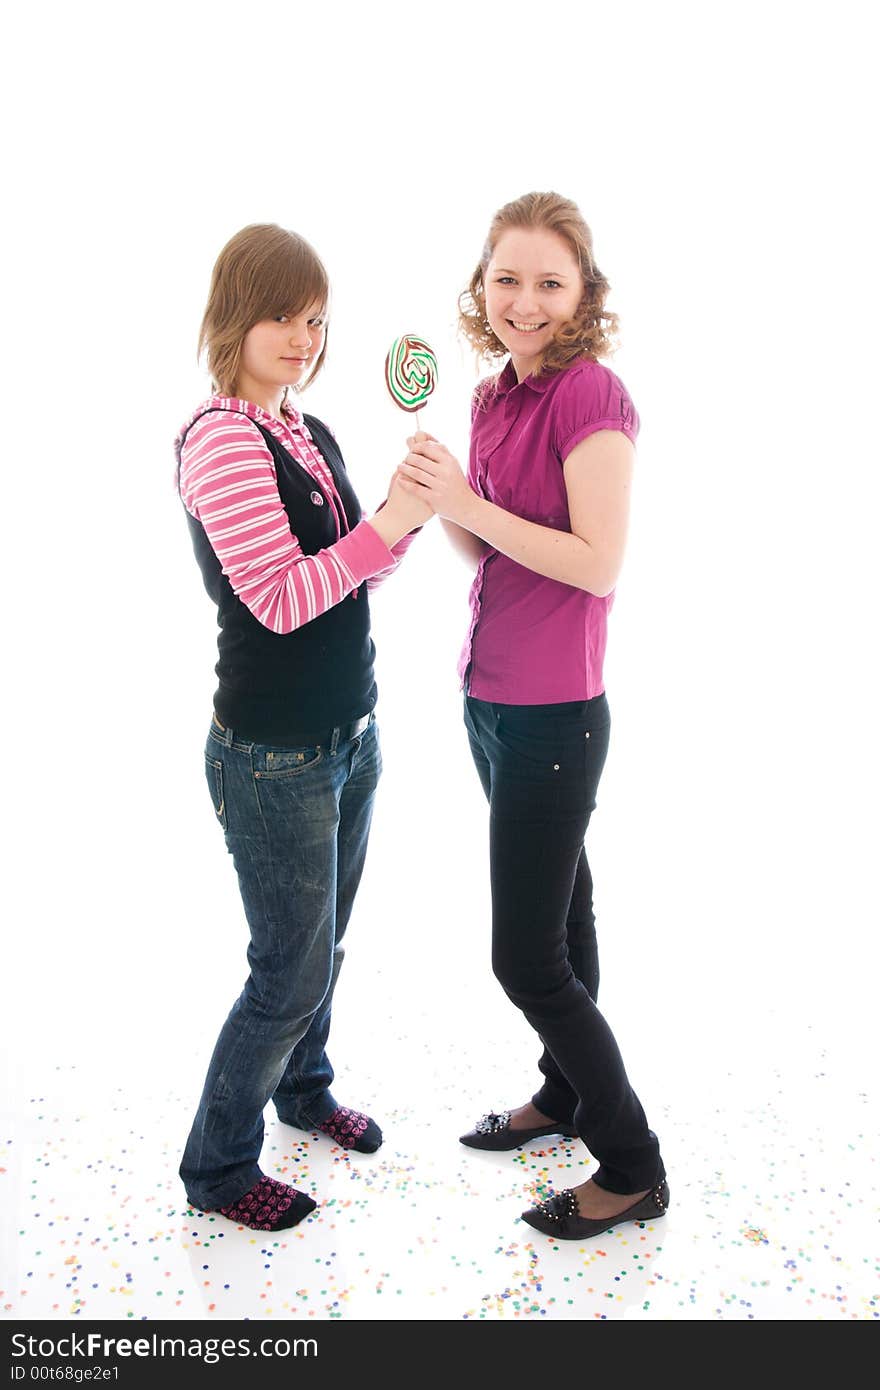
x=533, y=640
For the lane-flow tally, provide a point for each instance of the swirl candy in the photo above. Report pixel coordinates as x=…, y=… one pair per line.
x=410, y=372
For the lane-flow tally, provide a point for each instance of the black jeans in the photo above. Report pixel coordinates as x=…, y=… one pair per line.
x=540, y=767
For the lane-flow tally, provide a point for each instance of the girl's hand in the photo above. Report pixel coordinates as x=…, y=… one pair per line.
x=430, y=469
x=418, y=438
x=413, y=507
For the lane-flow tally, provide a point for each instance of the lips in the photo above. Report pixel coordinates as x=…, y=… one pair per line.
x=526, y=327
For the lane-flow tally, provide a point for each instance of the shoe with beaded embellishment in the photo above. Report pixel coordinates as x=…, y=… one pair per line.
x=493, y=1133
x=559, y=1215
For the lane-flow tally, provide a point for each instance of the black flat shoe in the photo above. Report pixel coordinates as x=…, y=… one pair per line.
x=493, y=1132
x=559, y=1215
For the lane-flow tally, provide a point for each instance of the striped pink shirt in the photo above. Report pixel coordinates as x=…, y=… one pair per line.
x=228, y=483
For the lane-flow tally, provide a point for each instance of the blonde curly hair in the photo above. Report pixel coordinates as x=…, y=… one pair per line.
x=593, y=330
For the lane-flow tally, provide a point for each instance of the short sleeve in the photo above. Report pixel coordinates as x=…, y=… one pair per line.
x=591, y=398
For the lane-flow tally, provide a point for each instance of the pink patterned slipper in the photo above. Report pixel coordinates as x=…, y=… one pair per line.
x=352, y=1130
x=269, y=1206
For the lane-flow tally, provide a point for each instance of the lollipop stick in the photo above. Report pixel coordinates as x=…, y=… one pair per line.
x=418, y=426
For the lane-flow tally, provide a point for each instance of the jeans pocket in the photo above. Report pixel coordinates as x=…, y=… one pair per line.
x=531, y=739
x=553, y=738
x=214, y=774
x=280, y=763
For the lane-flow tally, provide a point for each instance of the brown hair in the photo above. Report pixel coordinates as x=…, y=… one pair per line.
x=592, y=331
x=262, y=272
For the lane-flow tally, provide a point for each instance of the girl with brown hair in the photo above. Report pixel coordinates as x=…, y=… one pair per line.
x=292, y=757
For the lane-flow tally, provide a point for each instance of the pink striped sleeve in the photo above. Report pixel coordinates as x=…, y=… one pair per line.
x=228, y=483
x=398, y=550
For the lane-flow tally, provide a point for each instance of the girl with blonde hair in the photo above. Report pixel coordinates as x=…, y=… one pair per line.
x=542, y=516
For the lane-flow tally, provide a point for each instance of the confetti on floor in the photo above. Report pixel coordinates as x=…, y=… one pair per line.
x=770, y=1219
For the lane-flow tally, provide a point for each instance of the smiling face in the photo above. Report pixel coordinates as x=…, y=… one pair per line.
x=533, y=285
x=280, y=352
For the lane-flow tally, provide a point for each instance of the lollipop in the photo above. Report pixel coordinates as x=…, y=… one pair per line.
x=410, y=372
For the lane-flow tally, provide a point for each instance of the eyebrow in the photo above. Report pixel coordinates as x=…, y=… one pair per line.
x=542, y=275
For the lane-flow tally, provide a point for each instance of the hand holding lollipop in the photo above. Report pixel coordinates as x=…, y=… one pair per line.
x=429, y=470
x=410, y=373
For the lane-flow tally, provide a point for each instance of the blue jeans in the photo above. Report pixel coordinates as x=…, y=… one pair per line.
x=296, y=822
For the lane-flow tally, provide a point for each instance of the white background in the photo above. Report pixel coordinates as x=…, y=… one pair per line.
x=724, y=157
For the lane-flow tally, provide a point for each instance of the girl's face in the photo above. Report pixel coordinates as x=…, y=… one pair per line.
x=533, y=284
x=280, y=352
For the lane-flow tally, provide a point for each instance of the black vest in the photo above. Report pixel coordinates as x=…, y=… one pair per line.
x=292, y=689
